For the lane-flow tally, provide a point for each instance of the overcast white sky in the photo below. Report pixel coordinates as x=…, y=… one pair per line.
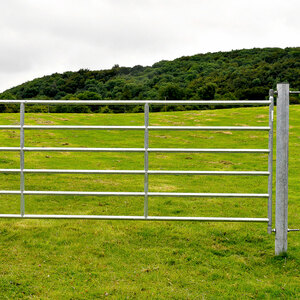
x=40, y=37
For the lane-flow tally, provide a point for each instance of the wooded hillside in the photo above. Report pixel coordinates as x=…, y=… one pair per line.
x=239, y=74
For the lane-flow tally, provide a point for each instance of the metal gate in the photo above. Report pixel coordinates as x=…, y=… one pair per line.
x=146, y=150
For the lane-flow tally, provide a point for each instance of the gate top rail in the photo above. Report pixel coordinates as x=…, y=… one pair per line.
x=108, y=127
x=136, y=102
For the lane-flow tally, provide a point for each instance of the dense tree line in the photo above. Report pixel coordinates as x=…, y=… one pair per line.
x=239, y=74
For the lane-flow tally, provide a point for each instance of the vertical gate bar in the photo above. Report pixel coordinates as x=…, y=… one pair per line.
x=282, y=146
x=270, y=160
x=22, y=179
x=146, y=160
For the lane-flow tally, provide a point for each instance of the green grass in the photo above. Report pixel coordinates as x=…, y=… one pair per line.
x=79, y=259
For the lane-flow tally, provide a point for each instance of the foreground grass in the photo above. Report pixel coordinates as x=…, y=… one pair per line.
x=80, y=259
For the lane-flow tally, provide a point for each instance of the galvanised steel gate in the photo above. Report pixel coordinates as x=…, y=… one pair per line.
x=146, y=150
x=282, y=125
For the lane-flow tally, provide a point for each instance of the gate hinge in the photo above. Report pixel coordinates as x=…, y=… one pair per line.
x=289, y=230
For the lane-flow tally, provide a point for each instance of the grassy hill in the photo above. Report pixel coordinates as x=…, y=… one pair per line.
x=78, y=259
x=239, y=74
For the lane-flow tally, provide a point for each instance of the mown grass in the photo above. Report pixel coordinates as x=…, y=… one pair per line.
x=79, y=259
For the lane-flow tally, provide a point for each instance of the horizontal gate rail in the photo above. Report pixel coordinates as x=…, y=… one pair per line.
x=165, y=150
x=74, y=127
x=157, y=172
x=140, y=102
x=135, y=218
x=157, y=194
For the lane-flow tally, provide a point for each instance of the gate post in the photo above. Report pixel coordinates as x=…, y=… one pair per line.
x=282, y=143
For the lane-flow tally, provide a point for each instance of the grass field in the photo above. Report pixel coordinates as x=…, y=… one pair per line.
x=79, y=259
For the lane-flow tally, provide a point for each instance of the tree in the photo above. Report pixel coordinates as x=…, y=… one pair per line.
x=207, y=92
x=8, y=108
x=171, y=91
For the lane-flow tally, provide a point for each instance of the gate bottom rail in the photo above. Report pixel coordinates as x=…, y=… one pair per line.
x=135, y=218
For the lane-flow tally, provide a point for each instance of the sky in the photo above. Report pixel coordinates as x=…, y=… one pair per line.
x=41, y=37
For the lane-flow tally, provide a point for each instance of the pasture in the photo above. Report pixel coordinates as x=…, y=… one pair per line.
x=84, y=259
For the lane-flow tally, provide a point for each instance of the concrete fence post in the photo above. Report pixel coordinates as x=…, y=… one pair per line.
x=282, y=146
